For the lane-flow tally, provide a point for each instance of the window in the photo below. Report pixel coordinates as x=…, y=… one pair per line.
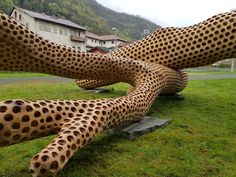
x=41, y=26
x=95, y=41
x=44, y=27
x=20, y=17
x=112, y=42
x=48, y=28
x=15, y=14
x=55, y=29
x=92, y=40
x=72, y=32
x=104, y=42
x=65, y=32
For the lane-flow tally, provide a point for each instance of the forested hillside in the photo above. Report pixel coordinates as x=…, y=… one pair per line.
x=95, y=17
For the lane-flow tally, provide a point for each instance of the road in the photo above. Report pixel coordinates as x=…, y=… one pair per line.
x=9, y=80
x=65, y=80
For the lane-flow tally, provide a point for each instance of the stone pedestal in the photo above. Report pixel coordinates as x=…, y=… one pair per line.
x=96, y=90
x=134, y=130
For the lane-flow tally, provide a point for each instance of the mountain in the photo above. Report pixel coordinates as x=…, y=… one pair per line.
x=95, y=17
x=128, y=24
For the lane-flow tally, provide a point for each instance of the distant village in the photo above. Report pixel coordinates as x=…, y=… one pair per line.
x=66, y=32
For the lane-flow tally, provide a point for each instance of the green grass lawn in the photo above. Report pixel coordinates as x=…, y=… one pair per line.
x=200, y=141
x=29, y=74
x=22, y=74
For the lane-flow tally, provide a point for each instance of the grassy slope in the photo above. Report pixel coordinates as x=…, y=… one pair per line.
x=199, y=142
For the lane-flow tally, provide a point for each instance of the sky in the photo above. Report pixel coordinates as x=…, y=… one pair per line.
x=176, y=13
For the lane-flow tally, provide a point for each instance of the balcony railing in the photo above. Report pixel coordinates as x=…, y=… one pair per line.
x=78, y=38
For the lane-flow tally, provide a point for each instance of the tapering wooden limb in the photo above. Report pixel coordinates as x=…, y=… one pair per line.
x=199, y=45
x=22, y=50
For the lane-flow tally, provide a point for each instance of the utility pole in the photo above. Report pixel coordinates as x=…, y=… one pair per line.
x=232, y=65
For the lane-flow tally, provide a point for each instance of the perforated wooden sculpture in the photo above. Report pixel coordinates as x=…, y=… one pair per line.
x=150, y=65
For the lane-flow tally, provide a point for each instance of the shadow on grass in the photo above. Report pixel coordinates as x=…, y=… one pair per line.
x=164, y=104
x=93, y=155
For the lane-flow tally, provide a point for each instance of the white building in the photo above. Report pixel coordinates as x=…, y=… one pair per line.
x=93, y=40
x=54, y=29
x=107, y=41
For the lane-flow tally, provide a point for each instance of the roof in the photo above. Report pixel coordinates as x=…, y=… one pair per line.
x=92, y=35
x=103, y=38
x=111, y=37
x=42, y=16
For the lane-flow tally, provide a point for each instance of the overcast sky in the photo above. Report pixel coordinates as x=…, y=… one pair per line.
x=171, y=12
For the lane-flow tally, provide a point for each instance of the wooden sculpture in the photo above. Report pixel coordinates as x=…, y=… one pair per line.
x=151, y=65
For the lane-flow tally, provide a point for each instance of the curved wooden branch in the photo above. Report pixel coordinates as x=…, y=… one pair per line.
x=77, y=122
x=199, y=45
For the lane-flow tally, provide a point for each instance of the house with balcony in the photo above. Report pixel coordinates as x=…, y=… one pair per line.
x=105, y=41
x=54, y=29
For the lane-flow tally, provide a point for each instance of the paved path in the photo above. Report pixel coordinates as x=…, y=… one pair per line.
x=65, y=80
x=12, y=80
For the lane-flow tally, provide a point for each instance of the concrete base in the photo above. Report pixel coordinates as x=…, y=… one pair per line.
x=134, y=130
x=96, y=90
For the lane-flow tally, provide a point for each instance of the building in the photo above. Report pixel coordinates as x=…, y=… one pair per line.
x=52, y=28
x=106, y=41
x=64, y=32
x=93, y=40
x=145, y=32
